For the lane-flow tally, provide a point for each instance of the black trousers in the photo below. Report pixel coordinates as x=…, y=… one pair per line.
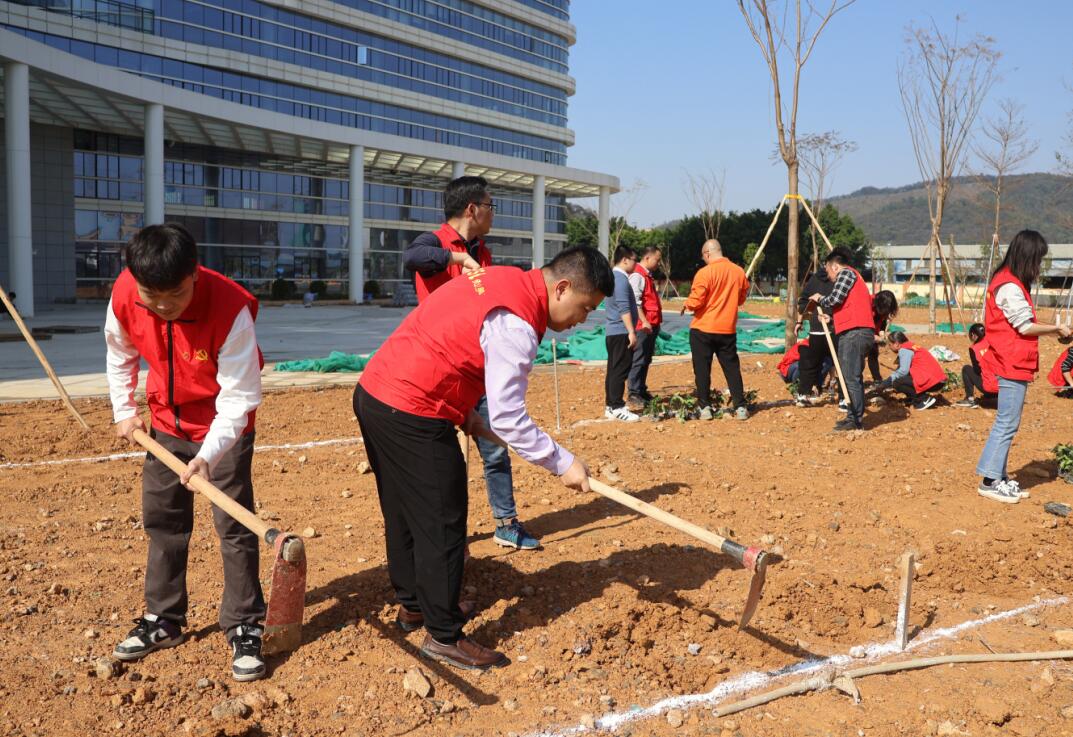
x=168, y=519
x=642, y=359
x=905, y=386
x=421, y=482
x=873, y=363
x=619, y=361
x=809, y=371
x=725, y=348
x=972, y=380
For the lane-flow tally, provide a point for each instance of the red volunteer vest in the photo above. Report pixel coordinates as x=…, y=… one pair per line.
x=451, y=241
x=1055, y=377
x=982, y=350
x=182, y=354
x=650, y=304
x=856, y=311
x=433, y=365
x=791, y=356
x=925, y=369
x=1014, y=356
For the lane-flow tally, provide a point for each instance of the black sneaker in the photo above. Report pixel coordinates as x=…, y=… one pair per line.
x=246, y=661
x=967, y=403
x=846, y=425
x=925, y=403
x=150, y=633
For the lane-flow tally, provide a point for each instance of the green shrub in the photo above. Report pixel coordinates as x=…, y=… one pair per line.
x=282, y=289
x=319, y=288
x=372, y=288
x=1063, y=454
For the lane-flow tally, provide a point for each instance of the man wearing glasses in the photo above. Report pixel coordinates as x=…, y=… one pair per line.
x=458, y=248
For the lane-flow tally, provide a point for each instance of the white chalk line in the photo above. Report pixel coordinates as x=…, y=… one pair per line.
x=140, y=453
x=756, y=679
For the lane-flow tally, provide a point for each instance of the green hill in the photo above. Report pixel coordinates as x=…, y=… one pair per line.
x=899, y=215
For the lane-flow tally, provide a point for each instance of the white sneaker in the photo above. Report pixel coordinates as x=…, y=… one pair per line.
x=622, y=414
x=843, y=406
x=800, y=400
x=1017, y=488
x=999, y=491
x=706, y=413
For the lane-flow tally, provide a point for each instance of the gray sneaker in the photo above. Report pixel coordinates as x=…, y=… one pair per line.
x=706, y=413
x=741, y=413
x=999, y=491
x=150, y=633
x=1016, y=488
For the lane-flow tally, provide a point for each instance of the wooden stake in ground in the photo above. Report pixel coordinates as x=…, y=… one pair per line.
x=41, y=357
x=555, y=375
x=905, y=595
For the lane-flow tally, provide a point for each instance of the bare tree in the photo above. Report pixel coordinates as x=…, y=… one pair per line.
x=819, y=154
x=1008, y=147
x=705, y=192
x=943, y=82
x=789, y=34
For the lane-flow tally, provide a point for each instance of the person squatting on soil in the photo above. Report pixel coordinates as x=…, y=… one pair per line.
x=719, y=289
x=918, y=373
x=790, y=365
x=977, y=375
x=1061, y=375
x=884, y=309
x=194, y=327
x=1013, y=334
x=816, y=362
x=650, y=311
x=455, y=249
x=849, y=305
x=620, y=337
x=479, y=336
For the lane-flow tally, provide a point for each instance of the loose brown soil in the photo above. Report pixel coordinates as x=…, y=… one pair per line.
x=599, y=620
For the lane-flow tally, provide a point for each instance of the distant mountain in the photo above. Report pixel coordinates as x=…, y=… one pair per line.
x=899, y=215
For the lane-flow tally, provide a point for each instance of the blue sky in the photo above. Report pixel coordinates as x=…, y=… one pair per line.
x=665, y=87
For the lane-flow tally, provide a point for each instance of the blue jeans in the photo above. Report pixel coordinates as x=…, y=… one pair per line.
x=1011, y=400
x=792, y=372
x=497, y=475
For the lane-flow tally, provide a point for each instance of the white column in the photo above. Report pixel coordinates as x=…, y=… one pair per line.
x=538, y=221
x=604, y=226
x=153, y=170
x=19, y=224
x=357, y=224
x=458, y=169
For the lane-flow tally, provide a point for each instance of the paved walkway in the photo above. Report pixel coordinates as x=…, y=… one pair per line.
x=284, y=333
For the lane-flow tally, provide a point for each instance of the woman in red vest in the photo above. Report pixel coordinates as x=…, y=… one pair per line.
x=1013, y=334
x=1061, y=376
x=978, y=375
x=918, y=373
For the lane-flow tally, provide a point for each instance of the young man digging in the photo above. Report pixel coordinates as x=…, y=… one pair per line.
x=475, y=336
x=194, y=327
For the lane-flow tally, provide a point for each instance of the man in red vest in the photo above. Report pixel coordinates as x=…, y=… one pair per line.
x=849, y=305
x=194, y=327
x=458, y=248
x=650, y=310
x=475, y=336
x=918, y=373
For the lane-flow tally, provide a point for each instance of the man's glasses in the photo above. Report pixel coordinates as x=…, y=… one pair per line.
x=490, y=205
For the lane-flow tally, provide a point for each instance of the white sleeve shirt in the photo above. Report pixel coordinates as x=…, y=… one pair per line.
x=1011, y=300
x=238, y=373
x=637, y=283
x=510, y=346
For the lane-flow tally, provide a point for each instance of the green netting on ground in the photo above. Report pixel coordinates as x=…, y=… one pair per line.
x=588, y=345
x=336, y=362
x=892, y=328
x=919, y=300
x=944, y=327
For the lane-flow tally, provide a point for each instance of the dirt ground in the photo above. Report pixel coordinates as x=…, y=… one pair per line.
x=615, y=613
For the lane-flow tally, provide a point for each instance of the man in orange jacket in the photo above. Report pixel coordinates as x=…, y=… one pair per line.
x=719, y=288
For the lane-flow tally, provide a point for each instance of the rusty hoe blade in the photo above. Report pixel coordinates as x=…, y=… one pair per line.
x=286, y=603
x=755, y=560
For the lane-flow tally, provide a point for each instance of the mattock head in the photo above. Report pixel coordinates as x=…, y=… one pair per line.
x=755, y=560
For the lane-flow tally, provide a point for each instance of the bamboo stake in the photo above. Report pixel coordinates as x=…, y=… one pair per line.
x=947, y=292
x=64, y=396
x=829, y=679
x=767, y=235
x=905, y=598
x=987, y=274
x=816, y=222
x=834, y=353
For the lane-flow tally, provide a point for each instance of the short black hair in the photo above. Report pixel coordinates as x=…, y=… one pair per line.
x=885, y=303
x=649, y=250
x=622, y=252
x=586, y=268
x=839, y=255
x=976, y=332
x=161, y=256
x=897, y=337
x=461, y=193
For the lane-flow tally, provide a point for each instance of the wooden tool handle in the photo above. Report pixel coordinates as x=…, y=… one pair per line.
x=244, y=516
x=834, y=354
x=41, y=358
x=628, y=500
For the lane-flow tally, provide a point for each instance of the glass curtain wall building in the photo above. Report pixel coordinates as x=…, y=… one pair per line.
x=420, y=90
